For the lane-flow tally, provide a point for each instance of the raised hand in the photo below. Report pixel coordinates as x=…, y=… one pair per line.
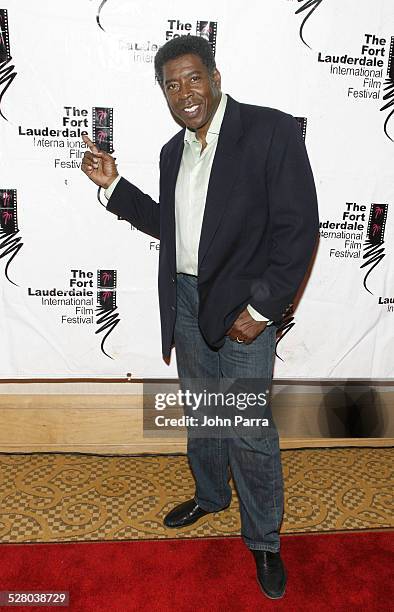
x=98, y=165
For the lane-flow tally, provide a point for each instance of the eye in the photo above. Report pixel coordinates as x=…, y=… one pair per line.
x=195, y=78
x=172, y=87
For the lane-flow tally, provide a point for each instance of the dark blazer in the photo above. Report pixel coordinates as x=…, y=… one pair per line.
x=260, y=222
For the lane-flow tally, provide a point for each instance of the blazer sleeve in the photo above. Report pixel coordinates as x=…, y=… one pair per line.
x=293, y=219
x=131, y=204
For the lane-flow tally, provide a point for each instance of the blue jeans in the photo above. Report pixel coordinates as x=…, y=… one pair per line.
x=254, y=461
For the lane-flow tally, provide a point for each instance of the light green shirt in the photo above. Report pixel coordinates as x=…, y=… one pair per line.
x=191, y=193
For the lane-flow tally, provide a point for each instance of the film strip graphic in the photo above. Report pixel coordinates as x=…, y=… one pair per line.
x=388, y=97
x=106, y=289
x=7, y=73
x=390, y=66
x=10, y=243
x=107, y=317
x=208, y=30
x=302, y=121
x=8, y=212
x=374, y=250
x=5, y=54
x=377, y=223
x=103, y=128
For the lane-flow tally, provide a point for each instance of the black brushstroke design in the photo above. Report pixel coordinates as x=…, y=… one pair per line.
x=286, y=325
x=373, y=254
x=309, y=4
x=389, y=88
x=373, y=248
x=98, y=15
x=109, y=319
x=99, y=192
x=7, y=75
x=12, y=246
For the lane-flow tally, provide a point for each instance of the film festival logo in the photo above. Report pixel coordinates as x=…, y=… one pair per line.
x=10, y=242
x=373, y=248
x=107, y=317
x=7, y=72
x=288, y=322
x=307, y=8
x=205, y=29
x=389, y=89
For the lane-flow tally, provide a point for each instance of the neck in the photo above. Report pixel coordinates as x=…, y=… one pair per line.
x=201, y=132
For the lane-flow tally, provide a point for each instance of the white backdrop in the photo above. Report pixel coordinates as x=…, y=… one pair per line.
x=56, y=55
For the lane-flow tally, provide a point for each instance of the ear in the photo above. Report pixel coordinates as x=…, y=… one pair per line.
x=217, y=79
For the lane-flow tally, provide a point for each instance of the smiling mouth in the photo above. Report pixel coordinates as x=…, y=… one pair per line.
x=192, y=111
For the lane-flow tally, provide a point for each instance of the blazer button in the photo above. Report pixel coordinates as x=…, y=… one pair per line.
x=172, y=307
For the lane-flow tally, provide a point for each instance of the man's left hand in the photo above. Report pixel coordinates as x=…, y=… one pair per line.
x=245, y=329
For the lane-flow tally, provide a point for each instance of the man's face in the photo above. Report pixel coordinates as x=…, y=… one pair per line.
x=192, y=93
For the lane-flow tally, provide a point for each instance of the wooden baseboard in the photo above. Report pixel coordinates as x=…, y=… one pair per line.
x=113, y=424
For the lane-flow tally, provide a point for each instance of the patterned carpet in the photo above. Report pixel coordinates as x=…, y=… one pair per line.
x=66, y=497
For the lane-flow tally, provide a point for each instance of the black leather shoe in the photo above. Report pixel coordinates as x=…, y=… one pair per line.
x=185, y=514
x=271, y=574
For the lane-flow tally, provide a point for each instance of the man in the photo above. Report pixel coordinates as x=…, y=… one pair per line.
x=237, y=223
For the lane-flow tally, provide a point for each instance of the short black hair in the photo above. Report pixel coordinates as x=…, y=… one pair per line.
x=182, y=45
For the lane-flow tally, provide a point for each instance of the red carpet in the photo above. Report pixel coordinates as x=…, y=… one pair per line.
x=335, y=573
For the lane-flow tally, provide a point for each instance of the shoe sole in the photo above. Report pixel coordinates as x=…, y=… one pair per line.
x=182, y=526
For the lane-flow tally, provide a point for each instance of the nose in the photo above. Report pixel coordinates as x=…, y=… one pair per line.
x=184, y=90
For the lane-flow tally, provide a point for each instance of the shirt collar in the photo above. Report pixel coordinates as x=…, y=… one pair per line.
x=214, y=128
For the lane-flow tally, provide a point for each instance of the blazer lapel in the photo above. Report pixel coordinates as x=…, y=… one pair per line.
x=171, y=170
x=225, y=168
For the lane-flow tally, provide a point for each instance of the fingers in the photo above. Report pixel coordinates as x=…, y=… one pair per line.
x=245, y=332
x=91, y=161
x=87, y=169
x=90, y=144
x=91, y=157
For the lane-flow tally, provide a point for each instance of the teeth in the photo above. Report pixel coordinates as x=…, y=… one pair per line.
x=191, y=109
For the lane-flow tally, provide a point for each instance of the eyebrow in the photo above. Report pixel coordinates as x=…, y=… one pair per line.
x=186, y=75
